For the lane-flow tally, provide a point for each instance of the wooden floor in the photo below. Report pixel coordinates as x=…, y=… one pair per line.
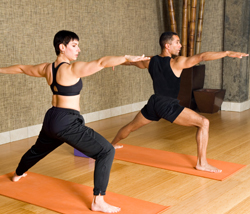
x=186, y=194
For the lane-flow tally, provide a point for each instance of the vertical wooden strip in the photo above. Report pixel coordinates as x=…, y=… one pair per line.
x=189, y=10
x=184, y=28
x=192, y=28
x=199, y=27
x=172, y=16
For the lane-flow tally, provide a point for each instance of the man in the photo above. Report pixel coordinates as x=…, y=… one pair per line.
x=165, y=72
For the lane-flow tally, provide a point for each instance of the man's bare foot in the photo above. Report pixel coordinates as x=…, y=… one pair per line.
x=117, y=146
x=16, y=177
x=208, y=168
x=98, y=204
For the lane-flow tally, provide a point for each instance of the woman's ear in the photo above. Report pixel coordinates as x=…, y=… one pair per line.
x=62, y=48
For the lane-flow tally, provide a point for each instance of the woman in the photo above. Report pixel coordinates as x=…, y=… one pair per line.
x=63, y=122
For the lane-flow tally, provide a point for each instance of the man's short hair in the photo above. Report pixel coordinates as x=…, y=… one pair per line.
x=166, y=37
x=63, y=37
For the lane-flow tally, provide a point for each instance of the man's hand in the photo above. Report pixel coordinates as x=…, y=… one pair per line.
x=236, y=54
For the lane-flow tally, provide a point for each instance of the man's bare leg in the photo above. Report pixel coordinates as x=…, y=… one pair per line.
x=124, y=132
x=190, y=118
x=16, y=177
x=98, y=204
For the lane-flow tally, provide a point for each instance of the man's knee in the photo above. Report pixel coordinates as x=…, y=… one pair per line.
x=205, y=122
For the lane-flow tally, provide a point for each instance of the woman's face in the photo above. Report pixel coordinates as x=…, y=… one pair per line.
x=72, y=50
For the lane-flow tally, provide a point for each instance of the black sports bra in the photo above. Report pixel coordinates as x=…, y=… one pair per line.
x=64, y=90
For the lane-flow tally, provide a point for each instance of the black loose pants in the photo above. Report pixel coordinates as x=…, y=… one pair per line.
x=67, y=125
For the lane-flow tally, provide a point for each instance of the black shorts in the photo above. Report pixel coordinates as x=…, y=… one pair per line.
x=159, y=106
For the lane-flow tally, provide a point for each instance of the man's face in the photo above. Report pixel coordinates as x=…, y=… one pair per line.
x=175, y=46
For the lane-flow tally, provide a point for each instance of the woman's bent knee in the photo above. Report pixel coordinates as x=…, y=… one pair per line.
x=110, y=151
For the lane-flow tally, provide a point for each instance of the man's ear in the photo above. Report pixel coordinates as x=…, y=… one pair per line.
x=167, y=46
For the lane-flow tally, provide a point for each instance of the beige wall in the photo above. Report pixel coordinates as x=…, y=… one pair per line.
x=212, y=37
x=105, y=27
x=212, y=40
x=114, y=27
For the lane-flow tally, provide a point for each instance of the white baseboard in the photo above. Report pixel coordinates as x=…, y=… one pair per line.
x=238, y=107
x=31, y=131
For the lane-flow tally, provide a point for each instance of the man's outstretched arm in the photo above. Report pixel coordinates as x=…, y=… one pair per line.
x=182, y=62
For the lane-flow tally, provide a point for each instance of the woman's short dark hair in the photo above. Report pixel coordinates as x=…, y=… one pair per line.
x=165, y=38
x=63, y=37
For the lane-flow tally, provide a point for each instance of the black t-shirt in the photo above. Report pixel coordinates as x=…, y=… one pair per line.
x=164, y=80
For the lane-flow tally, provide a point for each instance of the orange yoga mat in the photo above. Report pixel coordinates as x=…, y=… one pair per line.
x=67, y=197
x=174, y=161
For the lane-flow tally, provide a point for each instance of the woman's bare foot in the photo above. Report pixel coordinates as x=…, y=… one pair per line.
x=16, y=177
x=208, y=168
x=98, y=204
